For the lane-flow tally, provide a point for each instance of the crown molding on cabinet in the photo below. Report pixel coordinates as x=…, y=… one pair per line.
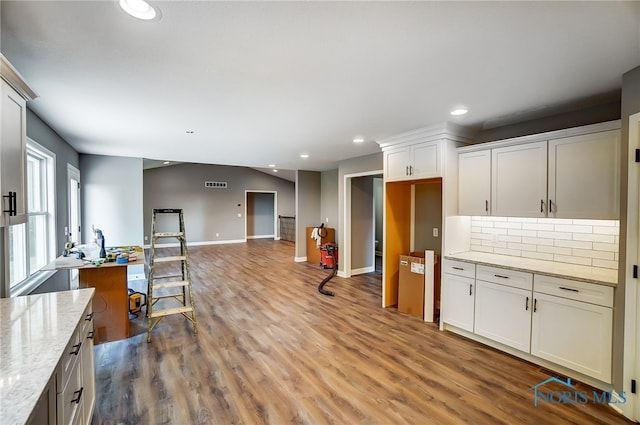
x=539, y=137
x=15, y=80
x=444, y=130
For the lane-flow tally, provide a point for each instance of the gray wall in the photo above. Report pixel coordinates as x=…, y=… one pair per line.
x=260, y=214
x=111, y=191
x=362, y=223
x=428, y=214
x=41, y=133
x=360, y=164
x=329, y=197
x=308, y=194
x=575, y=118
x=208, y=212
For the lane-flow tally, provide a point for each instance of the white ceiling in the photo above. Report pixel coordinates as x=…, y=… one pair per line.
x=262, y=82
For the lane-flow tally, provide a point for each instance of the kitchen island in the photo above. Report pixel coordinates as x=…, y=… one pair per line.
x=46, y=358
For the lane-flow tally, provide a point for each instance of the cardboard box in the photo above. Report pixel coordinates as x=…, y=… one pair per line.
x=411, y=286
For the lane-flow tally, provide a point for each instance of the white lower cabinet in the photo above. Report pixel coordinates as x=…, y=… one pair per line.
x=568, y=323
x=573, y=333
x=75, y=376
x=503, y=314
x=458, y=294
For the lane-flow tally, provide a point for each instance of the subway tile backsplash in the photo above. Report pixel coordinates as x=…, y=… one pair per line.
x=585, y=242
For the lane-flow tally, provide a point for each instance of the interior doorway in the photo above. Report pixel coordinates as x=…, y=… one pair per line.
x=261, y=214
x=73, y=220
x=358, y=253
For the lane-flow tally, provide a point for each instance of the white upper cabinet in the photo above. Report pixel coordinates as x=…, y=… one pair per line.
x=519, y=180
x=396, y=163
x=12, y=157
x=572, y=173
x=474, y=183
x=413, y=162
x=14, y=94
x=584, y=176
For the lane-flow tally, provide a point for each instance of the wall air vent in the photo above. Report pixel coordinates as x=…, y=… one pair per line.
x=215, y=185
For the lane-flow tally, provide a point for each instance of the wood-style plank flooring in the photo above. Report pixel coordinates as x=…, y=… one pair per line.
x=272, y=350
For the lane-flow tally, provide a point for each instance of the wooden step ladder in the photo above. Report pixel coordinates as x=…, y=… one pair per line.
x=177, y=279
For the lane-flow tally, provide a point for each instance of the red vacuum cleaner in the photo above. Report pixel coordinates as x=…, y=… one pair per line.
x=328, y=259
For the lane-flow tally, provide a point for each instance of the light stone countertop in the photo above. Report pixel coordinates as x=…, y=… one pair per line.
x=588, y=274
x=34, y=331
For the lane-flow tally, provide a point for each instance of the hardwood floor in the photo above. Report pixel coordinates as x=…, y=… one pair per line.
x=272, y=350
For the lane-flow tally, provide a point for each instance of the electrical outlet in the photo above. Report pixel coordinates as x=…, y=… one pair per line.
x=217, y=235
x=435, y=232
x=326, y=219
x=239, y=215
x=146, y=238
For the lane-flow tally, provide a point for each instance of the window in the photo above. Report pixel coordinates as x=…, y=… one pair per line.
x=32, y=244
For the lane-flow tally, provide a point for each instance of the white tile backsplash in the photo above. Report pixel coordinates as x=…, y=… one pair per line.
x=586, y=242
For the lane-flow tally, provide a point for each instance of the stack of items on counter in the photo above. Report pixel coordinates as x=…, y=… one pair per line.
x=121, y=255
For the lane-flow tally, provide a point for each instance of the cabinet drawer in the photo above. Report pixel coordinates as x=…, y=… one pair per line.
x=69, y=401
x=87, y=322
x=70, y=357
x=574, y=290
x=459, y=268
x=506, y=277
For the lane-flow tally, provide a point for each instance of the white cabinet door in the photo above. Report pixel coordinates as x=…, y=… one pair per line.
x=458, y=295
x=584, y=176
x=474, y=182
x=88, y=377
x=425, y=160
x=503, y=314
x=396, y=163
x=12, y=156
x=573, y=334
x=519, y=180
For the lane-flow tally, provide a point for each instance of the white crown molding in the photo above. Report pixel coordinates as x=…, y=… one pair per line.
x=445, y=130
x=15, y=80
x=549, y=135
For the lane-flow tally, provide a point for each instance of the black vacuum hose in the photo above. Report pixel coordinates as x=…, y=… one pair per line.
x=328, y=278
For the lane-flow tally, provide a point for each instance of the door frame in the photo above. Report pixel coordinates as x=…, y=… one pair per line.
x=276, y=235
x=345, y=249
x=73, y=172
x=631, y=356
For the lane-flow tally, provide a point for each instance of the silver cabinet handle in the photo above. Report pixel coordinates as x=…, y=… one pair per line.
x=486, y=206
x=526, y=304
x=541, y=205
x=456, y=268
x=535, y=305
x=501, y=277
x=470, y=289
x=550, y=206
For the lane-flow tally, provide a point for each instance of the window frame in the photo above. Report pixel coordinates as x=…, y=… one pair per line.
x=48, y=209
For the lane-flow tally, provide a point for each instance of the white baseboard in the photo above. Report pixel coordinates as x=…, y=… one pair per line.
x=202, y=243
x=624, y=408
x=260, y=237
x=300, y=259
x=277, y=238
x=363, y=270
x=342, y=274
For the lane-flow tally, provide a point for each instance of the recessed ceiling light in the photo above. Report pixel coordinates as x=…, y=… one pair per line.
x=166, y=162
x=139, y=9
x=459, y=111
x=189, y=131
x=358, y=140
x=304, y=155
x=272, y=165
x=275, y=171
